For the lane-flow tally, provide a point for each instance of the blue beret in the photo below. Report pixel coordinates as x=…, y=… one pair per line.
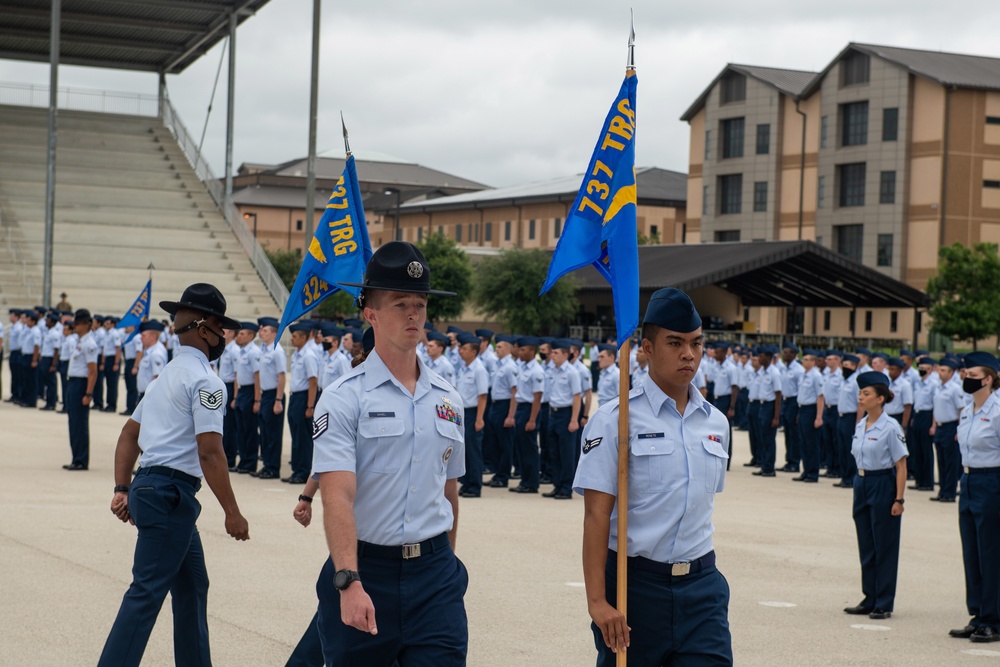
x=809, y=352
x=484, y=333
x=546, y=340
x=300, y=327
x=852, y=358
x=40, y=309
x=428, y=326
x=439, y=337
x=356, y=334
x=672, y=309
x=368, y=340
x=561, y=344
x=951, y=363
x=466, y=338
x=863, y=350
x=330, y=329
x=529, y=341
x=604, y=347
x=267, y=322
x=453, y=329
x=500, y=338
x=353, y=323
x=790, y=346
x=922, y=353
x=906, y=353
x=835, y=353
x=973, y=359
x=881, y=355
x=896, y=362
x=872, y=378
x=250, y=326
x=925, y=361
x=151, y=325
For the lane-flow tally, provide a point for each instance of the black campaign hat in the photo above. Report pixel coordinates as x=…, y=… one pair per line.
x=398, y=266
x=204, y=298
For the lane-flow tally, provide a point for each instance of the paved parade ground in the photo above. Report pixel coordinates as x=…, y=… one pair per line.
x=788, y=550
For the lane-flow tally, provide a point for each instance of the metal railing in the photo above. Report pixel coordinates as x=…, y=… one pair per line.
x=79, y=99
x=217, y=191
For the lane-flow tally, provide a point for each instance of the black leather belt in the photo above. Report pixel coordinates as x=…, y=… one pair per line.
x=876, y=473
x=973, y=471
x=403, y=551
x=951, y=423
x=164, y=471
x=673, y=569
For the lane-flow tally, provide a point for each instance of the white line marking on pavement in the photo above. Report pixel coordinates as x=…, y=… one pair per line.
x=869, y=626
x=981, y=651
x=575, y=584
x=770, y=603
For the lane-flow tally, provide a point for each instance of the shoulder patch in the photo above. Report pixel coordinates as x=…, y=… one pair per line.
x=320, y=425
x=211, y=400
x=590, y=444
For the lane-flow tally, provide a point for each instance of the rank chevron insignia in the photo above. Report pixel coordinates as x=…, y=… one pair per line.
x=320, y=424
x=590, y=444
x=211, y=400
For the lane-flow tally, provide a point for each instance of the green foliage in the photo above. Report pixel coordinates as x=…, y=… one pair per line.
x=287, y=264
x=652, y=239
x=451, y=271
x=507, y=291
x=964, y=292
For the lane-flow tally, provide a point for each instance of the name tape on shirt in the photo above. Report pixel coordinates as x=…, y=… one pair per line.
x=647, y=436
x=377, y=415
x=320, y=424
x=211, y=399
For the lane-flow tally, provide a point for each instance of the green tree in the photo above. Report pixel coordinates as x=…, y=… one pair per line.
x=451, y=271
x=964, y=292
x=287, y=264
x=507, y=290
x=652, y=239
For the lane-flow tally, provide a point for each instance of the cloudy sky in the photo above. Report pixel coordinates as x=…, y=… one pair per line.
x=503, y=93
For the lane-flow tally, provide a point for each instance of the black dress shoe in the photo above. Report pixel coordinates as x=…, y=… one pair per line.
x=880, y=614
x=497, y=484
x=244, y=471
x=563, y=496
x=751, y=464
x=515, y=475
x=545, y=479
x=843, y=485
x=922, y=488
x=789, y=468
x=942, y=499
x=46, y=408
x=469, y=494
x=963, y=633
x=522, y=489
x=296, y=480
x=110, y=409
x=75, y=466
x=761, y=473
x=267, y=475
x=233, y=469
x=985, y=635
x=858, y=611
x=549, y=494
x=800, y=478
x=125, y=413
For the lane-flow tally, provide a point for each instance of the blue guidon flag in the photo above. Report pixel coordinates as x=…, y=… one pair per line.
x=139, y=311
x=601, y=227
x=339, y=251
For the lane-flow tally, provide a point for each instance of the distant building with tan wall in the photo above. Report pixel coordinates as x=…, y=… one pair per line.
x=884, y=156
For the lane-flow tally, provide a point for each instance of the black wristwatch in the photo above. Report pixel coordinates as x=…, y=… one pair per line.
x=121, y=488
x=345, y=578
x=898, y=500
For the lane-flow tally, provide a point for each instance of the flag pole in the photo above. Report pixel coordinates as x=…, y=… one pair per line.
x=624, y=361
x=347, y=144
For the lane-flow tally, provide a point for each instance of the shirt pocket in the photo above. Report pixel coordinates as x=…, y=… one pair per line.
x=448, y=445
x=651, y=461
x=715, y=465
x=378, y=438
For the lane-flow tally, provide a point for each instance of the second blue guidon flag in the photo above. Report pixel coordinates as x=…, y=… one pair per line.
x=339, y=251
x=601, y=227
x=139, y=311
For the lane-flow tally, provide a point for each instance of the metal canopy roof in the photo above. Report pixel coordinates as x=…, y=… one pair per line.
x=150, y=35
x=776, y=273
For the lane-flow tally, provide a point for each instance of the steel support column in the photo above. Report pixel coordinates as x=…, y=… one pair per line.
x=313, y=103
x=230, y=107
x=50, y=172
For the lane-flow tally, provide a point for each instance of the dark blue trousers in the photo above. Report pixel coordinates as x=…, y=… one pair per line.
x=527, y=446
x=742, y=404
x=419, y=607
x=131, y=387
x=79, y=420
x=878, y=538
x=677, y=621
x=753, y=428
x=63, y=380
x=14, y=363
x=98, y=400
x=168, y=558
x=767, y=436
x=230, y=437
x=272, y=429
x=793, y=446
x=845, y=434
x=309, y=651
x=300, y=428
x=246, y=429
x=111, y=379
x=563, y=443
x=979, y=525
x=809, y=437
x=500, y=439
x=48, y=381
x=829, y=454
x=921, y=447
x=544, y=449
x=949, y=458
x=722, y=403
x=472, y=480
x=29, y=381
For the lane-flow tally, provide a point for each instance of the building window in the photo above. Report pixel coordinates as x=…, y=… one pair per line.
x=733, y=88
x=887, y=188
x=993, y=120
x=440, y=230
x=820, y=192
x=506, y=231
x=727, y=236
x=763, y=139
x=884, y=250
x=708, y=144
x=730, y=193
x=991, y=184
x=488, y=232
x=824, y=124
x=852, y=184
x=854, y=124
x=458, y=233
x=474, y=229
x=732, y=137
x=531, y=229
x=890, y=124
x=654, y=233
x=855, y=68
x=868, y=320
x=704, y=200
x=298, y=225
x=849, y=239
x=420, y=234
x=826, y=320
x=893, y=321
x=760, y=196
x=853, y=321
x=557, y=227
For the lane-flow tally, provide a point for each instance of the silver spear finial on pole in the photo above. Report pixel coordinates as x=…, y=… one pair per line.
x=347, y=143
x=631, y=41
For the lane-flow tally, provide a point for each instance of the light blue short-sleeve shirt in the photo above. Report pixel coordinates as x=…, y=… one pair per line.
x=979, y=434
x=86, y=352
x=564, y=384
x=303, y=368
x=504, y=379
x=878, y=447
x=530, y=380
x=608, y=384
x=472, y=381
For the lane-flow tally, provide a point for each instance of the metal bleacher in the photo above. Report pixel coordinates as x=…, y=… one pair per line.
x=126, y=196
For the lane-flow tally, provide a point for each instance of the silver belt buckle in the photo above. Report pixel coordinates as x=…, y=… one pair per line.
x=680, y=569
x=966, y=470
x=411, y=551
x=861, y=473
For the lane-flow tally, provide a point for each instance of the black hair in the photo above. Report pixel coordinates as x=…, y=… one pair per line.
x=649, y=331
x=883, y=391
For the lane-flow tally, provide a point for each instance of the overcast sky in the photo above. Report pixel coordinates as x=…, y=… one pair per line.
x=504, y=93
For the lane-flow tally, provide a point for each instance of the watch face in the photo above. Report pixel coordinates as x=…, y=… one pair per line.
x=342, y=579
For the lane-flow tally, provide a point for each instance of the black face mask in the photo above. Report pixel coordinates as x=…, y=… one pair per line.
x=327, y=345
x=847, y=372
x=972, y=385
x=215, y=351
x=922, y=371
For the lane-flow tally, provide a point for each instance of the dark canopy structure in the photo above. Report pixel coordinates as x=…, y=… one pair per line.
x=775, y=273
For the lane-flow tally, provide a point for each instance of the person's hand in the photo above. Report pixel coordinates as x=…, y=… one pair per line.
x=85, y=402
x=278, y=407
x=135, y=370
x=933, y=428
x=480, y=424
x=303, y=513
x=114, y=369
x=34, y=363
x=356, y=609
x=53, y=368
x=583, y=421
x=256, y=407
x=508, y=422
x=897, y=509
x=232, y=404
x=818, y=423
x=530, y=426
x=612, y=624
x=119, y=507
x=775, y=422
x=100, y=368
x=237, y=527
x=731, y=413
x=573, y=426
